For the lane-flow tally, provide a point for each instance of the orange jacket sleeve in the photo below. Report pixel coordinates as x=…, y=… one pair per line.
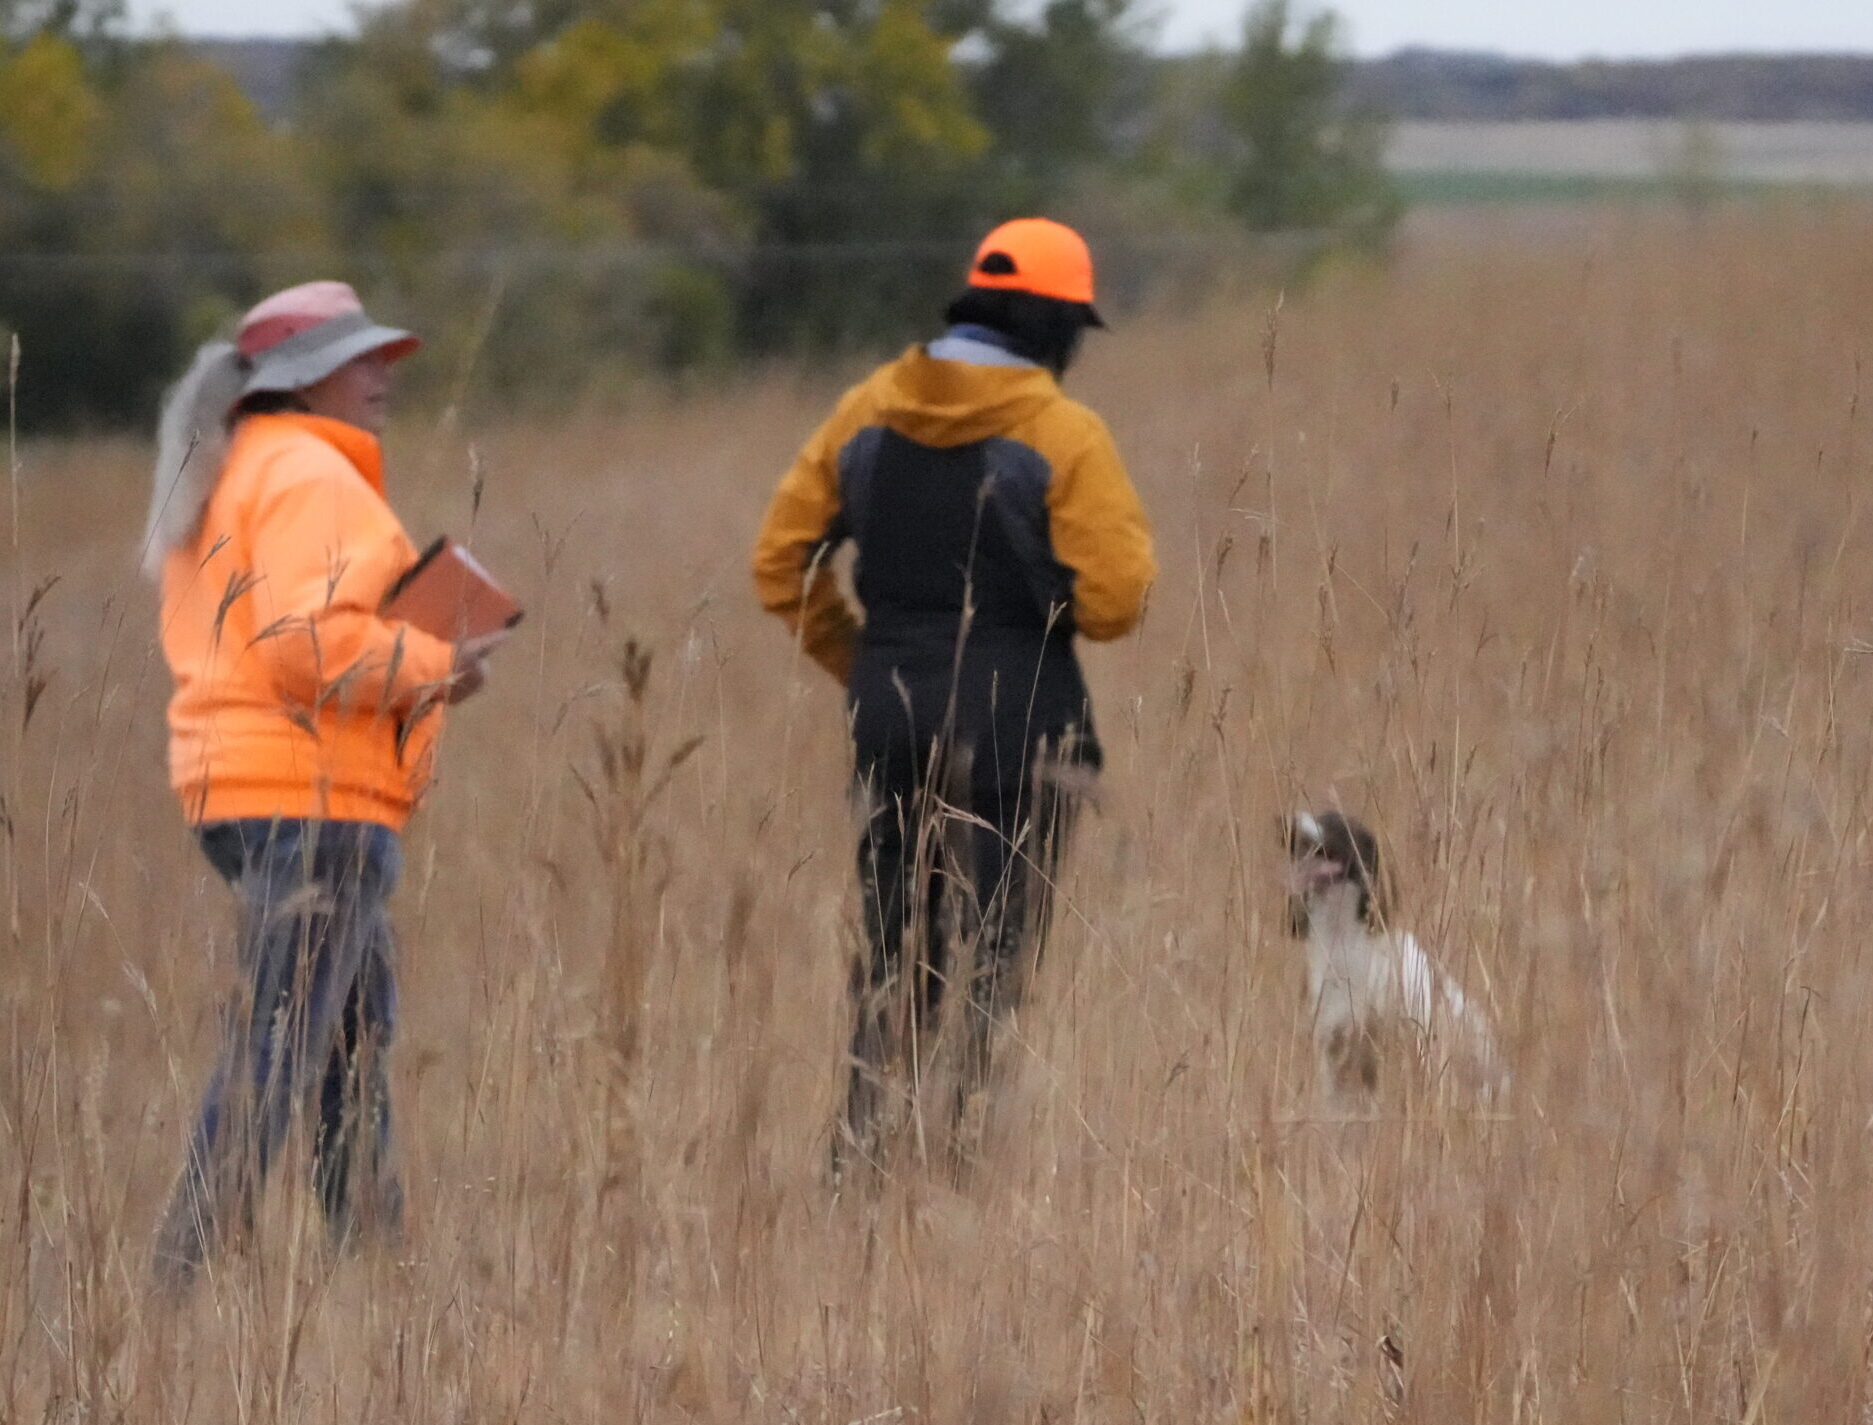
x=325, y=550
x=1101, y=532
x=793, y=575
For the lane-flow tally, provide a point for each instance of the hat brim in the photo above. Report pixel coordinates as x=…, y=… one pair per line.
x=1089, y=314
x=307, y=359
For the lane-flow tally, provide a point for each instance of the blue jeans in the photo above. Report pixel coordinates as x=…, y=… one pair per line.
x=307, y=1035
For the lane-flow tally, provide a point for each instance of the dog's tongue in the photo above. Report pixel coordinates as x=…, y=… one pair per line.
x=1307, y=876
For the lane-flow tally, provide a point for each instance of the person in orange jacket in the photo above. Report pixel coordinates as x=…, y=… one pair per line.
x=302, y=730
x=993, y=521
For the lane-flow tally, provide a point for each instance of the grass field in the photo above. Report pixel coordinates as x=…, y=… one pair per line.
x=1550, y=559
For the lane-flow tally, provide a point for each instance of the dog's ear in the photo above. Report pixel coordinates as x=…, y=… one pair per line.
x=1375, y=899
x=1374, y=904
x=1299, y=833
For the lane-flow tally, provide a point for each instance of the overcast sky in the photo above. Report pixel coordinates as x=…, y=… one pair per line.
x=1559, y=29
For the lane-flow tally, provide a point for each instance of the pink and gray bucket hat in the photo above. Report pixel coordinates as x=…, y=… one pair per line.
x=298, y=337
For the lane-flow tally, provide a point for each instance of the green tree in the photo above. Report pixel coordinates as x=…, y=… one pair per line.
x=1297, y=155
x=1061, y=95
x=1697, y=167
x=849, y=136
x=139, y=190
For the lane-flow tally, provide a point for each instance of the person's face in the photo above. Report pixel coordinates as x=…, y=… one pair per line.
x=357, y=393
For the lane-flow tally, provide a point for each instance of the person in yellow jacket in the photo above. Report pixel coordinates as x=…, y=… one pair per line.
x=302, y=728
x=992, y=521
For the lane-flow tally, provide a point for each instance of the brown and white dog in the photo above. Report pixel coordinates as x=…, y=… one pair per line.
x=1374, y=994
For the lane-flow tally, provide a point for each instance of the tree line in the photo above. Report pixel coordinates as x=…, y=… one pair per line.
x=1761, y=88
x=559, y=191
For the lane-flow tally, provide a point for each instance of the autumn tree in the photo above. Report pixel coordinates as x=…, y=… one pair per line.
x=557, y=191
x=82, y=21
x=815, y=158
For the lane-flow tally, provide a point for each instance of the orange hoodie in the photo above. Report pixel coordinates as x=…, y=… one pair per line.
x=293, y=698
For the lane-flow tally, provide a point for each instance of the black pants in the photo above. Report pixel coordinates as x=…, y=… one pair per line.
x=956, y=879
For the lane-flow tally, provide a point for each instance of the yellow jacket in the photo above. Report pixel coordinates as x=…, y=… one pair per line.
x=1053, y=454
x=292, y=697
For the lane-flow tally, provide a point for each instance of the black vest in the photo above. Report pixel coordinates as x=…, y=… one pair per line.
x=968, y=631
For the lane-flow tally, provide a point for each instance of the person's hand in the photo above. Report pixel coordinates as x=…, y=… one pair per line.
x=476, y=650
x=468, y=674
x=466, y=680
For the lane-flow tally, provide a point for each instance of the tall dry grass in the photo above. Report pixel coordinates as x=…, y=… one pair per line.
x=1548, y=554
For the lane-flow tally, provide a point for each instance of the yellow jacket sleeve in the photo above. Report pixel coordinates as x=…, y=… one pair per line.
x=1100, y=532
x=793, y=574
x=326, y=548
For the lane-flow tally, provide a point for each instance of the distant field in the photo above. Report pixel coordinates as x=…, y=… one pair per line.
x=1546, y=161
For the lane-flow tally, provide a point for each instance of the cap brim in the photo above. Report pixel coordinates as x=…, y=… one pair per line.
x=296, y=364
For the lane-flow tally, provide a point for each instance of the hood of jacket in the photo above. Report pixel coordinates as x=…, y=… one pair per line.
x=950, y=403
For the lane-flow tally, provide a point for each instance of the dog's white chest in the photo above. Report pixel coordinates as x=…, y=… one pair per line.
x=1353, y=976
x=1370, y=987
x=1353, y=973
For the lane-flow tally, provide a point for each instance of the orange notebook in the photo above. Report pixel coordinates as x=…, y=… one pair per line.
x=449, y=594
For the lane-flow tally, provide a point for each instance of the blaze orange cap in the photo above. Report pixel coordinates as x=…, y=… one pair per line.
x=1040, y=256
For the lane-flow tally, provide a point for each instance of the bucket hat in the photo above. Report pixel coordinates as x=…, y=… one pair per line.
x=1039, y=256
x=298, y=337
